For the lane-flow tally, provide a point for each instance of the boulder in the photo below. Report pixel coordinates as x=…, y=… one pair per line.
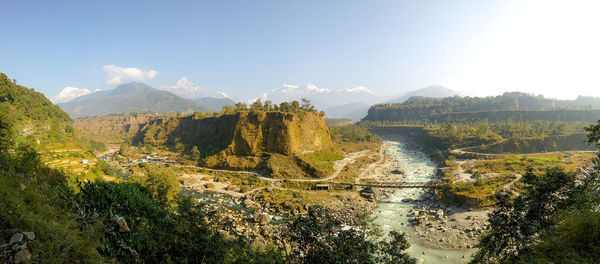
x=29, y=235
x=262, y=218
x=22, y=256
x=440, y=213
x=16, y=238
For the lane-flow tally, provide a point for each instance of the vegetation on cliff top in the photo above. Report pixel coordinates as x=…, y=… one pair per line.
x=514, y=106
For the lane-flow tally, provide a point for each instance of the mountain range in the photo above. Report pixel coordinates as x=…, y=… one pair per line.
x=133, y=97
x=185, y=96
x=358, y=109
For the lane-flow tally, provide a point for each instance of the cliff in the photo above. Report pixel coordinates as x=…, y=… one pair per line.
x=113, y=128
x=244, y=140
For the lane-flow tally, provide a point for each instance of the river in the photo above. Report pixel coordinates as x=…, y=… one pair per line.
x=392, y=212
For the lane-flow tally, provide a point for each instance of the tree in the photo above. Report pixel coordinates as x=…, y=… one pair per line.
x=7, y=135
x=196, y=154
x=306, y=106
x=180, y=148
x=285, y=107
x=240, y=107
x=318, y=238
x=256, y=105
x=268, y=105
x=227, y=110
x=516, y=224
x=162, y=184
x=295, y=107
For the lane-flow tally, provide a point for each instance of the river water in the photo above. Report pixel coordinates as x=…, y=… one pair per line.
x=392, y=212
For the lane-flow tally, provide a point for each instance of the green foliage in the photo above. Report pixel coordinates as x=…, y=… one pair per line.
x=515, y=106
x=575, y=240
x=319, y=238
x=352, y=133
x=7, y=133
x=322, y=161
x=162, y=183
x=32, y=104
x=112, y=170
x=33, y=198
x=156, y=234
x=258, y=105
x=31, y=112
x=196, y=155
x=516, y=224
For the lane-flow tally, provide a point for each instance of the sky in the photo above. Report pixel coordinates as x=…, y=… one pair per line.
x=245, y=48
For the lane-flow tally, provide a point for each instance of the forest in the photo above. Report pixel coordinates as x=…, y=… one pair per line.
x=508, y=106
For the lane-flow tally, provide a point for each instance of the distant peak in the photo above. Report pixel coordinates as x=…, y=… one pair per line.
x=187, y=89
x=69, y=93
x=359, y=89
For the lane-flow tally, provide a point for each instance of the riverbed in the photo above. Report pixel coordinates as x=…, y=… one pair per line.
x=391, y=214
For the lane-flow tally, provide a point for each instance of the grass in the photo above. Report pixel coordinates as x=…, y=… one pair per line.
x=323, y=160
x=482, y=191
x=539, y=162
x=35, y=209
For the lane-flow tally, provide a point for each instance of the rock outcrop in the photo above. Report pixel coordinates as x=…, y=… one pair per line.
x=242, y=141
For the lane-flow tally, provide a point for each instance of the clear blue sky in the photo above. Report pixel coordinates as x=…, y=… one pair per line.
x=245, y=48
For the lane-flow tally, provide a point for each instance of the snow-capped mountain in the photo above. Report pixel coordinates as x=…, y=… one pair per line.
x=69, y=93
x=322, y=98
x=189, y=90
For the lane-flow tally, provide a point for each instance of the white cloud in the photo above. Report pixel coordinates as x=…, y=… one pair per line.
x=115, y=74
x=263, y=98
x=359, y=89
x=288, y=87
x=313, y=87
x=69, y=93
x=188, y=89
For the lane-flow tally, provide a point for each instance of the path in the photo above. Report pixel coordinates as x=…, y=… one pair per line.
x=338, y=166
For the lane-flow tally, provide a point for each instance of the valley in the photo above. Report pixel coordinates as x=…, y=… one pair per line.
x=254, y=173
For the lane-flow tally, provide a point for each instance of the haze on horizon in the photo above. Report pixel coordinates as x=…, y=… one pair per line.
x=245, y=49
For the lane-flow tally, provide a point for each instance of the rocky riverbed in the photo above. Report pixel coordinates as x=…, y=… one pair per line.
x=437, y=233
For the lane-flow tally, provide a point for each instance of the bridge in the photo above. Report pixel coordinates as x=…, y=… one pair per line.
x=394, y=185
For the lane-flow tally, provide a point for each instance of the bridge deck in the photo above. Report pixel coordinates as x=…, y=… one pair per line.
x=397, y=185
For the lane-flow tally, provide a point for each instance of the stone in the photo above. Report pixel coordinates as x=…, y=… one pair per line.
x=262, y=218
x=468, y=246
x=22, y=256
x=29, y=235
x=440, y=213
x=16, y=238
x=209, y=185
x=17, y=247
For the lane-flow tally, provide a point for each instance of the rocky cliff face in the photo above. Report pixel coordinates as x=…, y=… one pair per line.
x=113, y=128
x=243, y=140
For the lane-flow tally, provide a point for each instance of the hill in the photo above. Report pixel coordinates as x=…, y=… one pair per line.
x=127, y=98
x=215, y=104
x=514, y=106
x=435, y=91
x=32, y=113
x=279, y=143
